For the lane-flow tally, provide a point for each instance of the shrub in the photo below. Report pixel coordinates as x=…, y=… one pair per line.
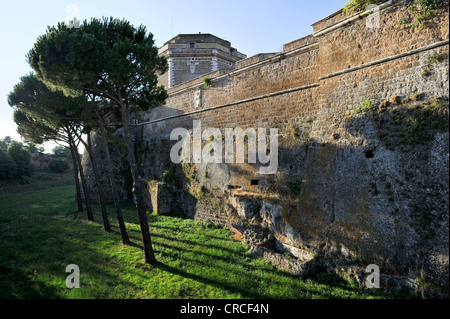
x=358, y=5
x=7, y=166
x=22, y=159
x=58, y=166
x=62, y=152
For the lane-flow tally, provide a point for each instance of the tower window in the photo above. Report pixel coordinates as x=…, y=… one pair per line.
x=192, y=45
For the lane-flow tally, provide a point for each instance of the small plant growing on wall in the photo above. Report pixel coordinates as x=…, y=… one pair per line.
x=294, y=132
x=207, y=82
x=416, y=96
x=414, y=121
x=189, y=172
x=434, y=59
x=201, y=191
x=423, y=11
x=383, y=105
x=366, y=106
x=167, y=176
x=396, y=100
x=412, y=133
x=358, y=5
x=425, y=73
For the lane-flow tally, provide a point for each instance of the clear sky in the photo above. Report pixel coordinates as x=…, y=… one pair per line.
x=252, y=26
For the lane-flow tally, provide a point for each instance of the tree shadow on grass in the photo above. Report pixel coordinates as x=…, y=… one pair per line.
x=208, y=281
x=257, y=291
x=16, y=283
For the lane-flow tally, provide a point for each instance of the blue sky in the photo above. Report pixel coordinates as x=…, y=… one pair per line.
x=252, y=26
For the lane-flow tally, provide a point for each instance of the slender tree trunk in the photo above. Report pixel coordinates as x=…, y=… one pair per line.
x=87, y=200
x=77, y=181
x=123, y=229
x=101, y=198
x=148, y=249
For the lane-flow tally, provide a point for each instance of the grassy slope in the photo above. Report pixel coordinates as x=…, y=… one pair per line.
x=41, y=233
x=39, y=180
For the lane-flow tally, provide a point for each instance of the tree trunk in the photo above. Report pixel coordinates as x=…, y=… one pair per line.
x=101, y=197
x=87, y=200
x=109, y=163
x=137, y=189
x=77, y=181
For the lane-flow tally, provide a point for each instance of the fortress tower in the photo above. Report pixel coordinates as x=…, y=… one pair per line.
x=192, y=55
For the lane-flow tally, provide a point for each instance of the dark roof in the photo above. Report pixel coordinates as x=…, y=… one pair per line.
x=199, y=38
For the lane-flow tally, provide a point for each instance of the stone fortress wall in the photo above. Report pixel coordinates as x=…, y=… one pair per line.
x=355, y=185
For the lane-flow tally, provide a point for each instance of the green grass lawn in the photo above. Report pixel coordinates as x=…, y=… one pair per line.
x=41, y=233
